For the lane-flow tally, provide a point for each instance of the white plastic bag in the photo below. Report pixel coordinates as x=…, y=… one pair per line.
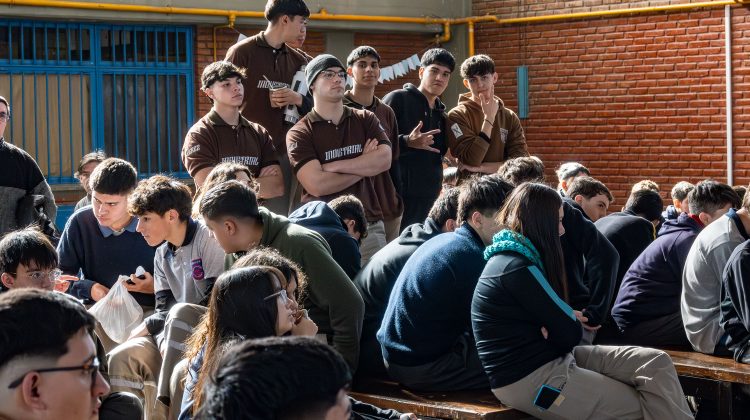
x=118, y=312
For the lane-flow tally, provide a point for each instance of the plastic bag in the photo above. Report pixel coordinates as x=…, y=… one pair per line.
x=118, y=312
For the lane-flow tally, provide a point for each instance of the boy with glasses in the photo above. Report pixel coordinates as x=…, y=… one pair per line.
x=336, y=150
x=483, y=133
x=28, y=260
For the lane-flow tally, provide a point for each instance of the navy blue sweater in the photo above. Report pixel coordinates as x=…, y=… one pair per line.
x=102, y=259
x=652, y=285
x=430, y=305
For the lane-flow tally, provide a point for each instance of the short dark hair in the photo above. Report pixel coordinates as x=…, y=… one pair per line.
x=278, y=8
x=522, y=169
x=53, y=317
x=95, y=156
x=445, y=207
x=741, y=190
x=219, y=71
x=5, y=101
x=708, y=196
x=485, y=194
x=229, y=199
x=271, y=378
x=27, y=246
x=159, y=194
x=361, y=52
x=477, y=65
x=681, y=190
x=570, y=170
x=646, y=203
x=439, y=56
x=349, y=207
x=114, y=177
x=588, y=187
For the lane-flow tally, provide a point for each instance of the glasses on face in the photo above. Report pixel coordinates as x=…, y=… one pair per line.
x=330, y=74
x=4, y=116
x=91, y=367
x=281, y=294
x=41, y=276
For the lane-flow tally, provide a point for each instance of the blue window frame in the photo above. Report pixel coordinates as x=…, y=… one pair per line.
x=75, y=87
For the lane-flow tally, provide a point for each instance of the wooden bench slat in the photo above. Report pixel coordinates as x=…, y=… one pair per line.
x=701, y=365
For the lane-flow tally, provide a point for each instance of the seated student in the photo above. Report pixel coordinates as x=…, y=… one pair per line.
x=680, y=203
x=590, y=260
x=224, y=135
x=425, y=335
x=247, y=302
x=566, y=173
x=740, y=190
x=88, y=163
x=700, y=301
x=320, y=217
x=450, y=177
x=53, y=372
x=187, y=262
x=647, y=307
x=376, y=279
x=522, y=169
x=101, y=242
x=734, y=302
x=527, y=334
x=590, y=196
x=232, y=214
x=645, y=184
x=352, y=212
x=29, y=261
x=223, y=172
x=271, y=379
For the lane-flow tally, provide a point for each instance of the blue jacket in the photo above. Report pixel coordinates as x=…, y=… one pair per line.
x=430, y=305
x=652, y=285
x=318, y=217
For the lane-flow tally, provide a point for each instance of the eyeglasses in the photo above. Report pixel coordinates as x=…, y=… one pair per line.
x=91, y=367
x=282, y=294
x=40, y=276
x=330, y=74
x=4, y=116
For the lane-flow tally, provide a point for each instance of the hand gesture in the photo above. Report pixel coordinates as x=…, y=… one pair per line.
x=489, y=106
x=62, y=282
x=419, y=140
x=270, y=170
x=145, y=285
x=283, y=97
x=370, y=146
x=584, y=321
x=305, y=326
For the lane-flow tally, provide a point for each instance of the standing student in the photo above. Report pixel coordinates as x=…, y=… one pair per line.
x=482, y=132
x=88, y=163
x=527, y=334
x=270, y=98
x=336, y=150
x=363, y=65
x=224, y=135
x=420, y=118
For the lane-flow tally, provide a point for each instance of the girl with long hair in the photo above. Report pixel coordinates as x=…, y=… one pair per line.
x=527, y=335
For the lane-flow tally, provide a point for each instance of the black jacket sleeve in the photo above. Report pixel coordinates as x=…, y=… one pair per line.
x=735, y=300
x=164, y=302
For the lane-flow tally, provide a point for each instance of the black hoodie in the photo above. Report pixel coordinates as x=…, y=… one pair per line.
x=421, y=170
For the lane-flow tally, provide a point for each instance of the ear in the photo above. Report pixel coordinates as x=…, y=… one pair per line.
x=476, y=218
x=7, y=280
x=564, y=186
x=466, y=83
x=207, y=92
x=172, y=215
x=349, y=71
x=421, y=71
x=578, y=199
x=677, y=203
x=450, y=225
x=704, y=218
x=350, y=225
x=30, y=391
x=494, y=78
x=230, y=226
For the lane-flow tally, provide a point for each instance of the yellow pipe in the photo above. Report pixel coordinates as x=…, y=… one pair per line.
x=230, y=25
x=446, y=36
x=470, y=29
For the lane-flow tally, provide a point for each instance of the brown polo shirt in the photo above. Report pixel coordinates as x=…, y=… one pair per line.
x=390, y=201
x=279, y=65
x=211, y=141
x=316, y=138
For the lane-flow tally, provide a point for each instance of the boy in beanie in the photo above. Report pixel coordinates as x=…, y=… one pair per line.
x=336, y=150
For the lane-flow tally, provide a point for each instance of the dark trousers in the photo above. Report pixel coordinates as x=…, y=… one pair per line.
x=659, y=332
x=416, y=210
x=121, y=406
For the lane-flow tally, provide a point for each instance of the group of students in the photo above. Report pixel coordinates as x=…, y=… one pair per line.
x=323, y=241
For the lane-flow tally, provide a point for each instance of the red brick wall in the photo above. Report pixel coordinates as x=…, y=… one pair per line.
x=630, y=97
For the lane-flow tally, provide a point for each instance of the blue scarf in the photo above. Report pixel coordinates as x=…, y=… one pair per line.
x=508, y=240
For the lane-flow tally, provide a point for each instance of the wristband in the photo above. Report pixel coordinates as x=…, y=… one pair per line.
x=488, y=122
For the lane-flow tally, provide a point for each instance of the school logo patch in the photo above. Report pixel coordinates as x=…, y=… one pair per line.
x=503, y=134
x=456, y=130
x=197, y=266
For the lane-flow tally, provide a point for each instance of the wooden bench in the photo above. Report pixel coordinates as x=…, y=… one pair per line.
x=715, y=379
x=442, y=405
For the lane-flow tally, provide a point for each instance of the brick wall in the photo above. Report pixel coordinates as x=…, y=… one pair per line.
x=630, y=97
x=514, y=8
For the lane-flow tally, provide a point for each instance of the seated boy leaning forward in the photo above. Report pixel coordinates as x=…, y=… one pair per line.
x=231, y=212
x=337, y=150
x=186, y=264
x=482, y=132
x=224, y=135
x=101, y=242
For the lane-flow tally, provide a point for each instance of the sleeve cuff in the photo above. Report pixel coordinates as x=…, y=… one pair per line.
x=485, y=138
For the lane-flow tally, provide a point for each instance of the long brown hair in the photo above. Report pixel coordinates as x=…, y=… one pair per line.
x=237, y=308
x=533, y=211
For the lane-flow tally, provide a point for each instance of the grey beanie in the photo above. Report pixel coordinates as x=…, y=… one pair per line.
x=318, y=64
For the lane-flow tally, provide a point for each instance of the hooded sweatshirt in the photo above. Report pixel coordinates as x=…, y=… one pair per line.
x=651, y=286
x=421, y=170
x=735, y=301
x=317, y=216
x=331, y=299
x=471, y=146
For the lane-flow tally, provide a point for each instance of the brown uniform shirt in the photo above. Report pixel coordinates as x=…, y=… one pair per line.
x=390, y=200
x=316, y=138
x=279, y=65
x=471, y=146
x=211, y=141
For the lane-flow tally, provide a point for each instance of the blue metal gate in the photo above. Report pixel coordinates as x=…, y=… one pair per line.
x=125, y=89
